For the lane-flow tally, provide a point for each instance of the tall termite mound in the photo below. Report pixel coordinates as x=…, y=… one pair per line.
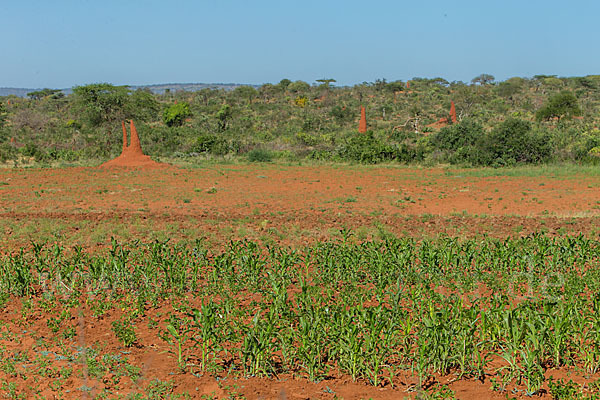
x=362, y=125
x=452, y=112
x=132, y=154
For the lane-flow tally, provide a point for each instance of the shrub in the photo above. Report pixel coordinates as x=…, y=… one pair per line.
x=301, y=101
x=209, y=143
x=514, y=141
x=175, y=114
x=260, y=155
x=460, y=142
x=307, y=139
x=31, y=150
x=587, y=146
x=342, y=114
x=560, y=105
x=366, y=148
x=7, y=152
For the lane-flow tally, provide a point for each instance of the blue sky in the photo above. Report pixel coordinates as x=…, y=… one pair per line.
x=62, y=43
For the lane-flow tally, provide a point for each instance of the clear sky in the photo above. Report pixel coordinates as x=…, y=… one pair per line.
x=62, y=43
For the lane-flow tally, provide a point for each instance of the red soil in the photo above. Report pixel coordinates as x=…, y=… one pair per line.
x=362, y=125
x=254, y=200
x=439, y=124
x=132, y=155
x=302, y=204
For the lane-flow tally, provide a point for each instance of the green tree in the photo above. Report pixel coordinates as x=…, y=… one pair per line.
x=460, y=143
x=510, y=87
x=40, y=94
x=439, y=81
x=102, y=103
x=245, y=92
x=514, y=141
x=560, y=105
x=283, y=84
x=223, y=116
x=395, y=86
x=175, y=114
x=326, y=81
x=380, y=84
x=298, y=87
x=142, y=105
x=268, y=91
x=483, y=79
x=584, y=82
x=455, y=136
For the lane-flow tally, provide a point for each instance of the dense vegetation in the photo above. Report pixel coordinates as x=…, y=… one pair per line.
x=441, y=306
x=541, y=119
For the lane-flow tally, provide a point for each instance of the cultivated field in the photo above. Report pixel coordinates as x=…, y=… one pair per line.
x=292, y=282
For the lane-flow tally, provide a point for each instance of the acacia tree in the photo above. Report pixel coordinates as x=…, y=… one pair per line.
x=326, y=81
x=483, y=79
x=101, y=103
x=40, y=94
x=560, y=105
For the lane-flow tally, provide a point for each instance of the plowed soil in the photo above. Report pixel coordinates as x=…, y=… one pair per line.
x=290, y=205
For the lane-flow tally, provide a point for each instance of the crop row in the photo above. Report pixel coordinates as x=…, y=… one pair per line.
x=507, y=309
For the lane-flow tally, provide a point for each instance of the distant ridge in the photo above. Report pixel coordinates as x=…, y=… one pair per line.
x=159, y=88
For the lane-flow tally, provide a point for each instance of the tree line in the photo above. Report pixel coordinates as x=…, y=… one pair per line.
x=520, y=120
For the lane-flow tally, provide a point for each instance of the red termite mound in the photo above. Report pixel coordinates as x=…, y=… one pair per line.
x=442, y=122
x=452, y=112
x=362, y=125
x=132, y=155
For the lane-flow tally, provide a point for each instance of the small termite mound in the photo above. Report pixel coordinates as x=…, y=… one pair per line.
x=132, y=154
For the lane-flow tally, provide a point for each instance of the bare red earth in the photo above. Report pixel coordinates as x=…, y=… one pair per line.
x=292, y=205
x=289, y=205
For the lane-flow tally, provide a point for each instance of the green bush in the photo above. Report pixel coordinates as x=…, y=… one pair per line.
x=514, y=141
x=214, y=144
x=366, y=148
x=7, y=152
x=342, y=114
x=560, y=105
x=460, y=143
x=31, y=150
x=175, y=114
x=260, y=155
x=456, y=136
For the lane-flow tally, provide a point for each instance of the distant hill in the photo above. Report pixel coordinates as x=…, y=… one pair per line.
x=157, y=88
x=21, y=92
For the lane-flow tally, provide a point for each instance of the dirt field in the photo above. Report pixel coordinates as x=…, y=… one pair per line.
x=286, y=204
x=270, y=204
